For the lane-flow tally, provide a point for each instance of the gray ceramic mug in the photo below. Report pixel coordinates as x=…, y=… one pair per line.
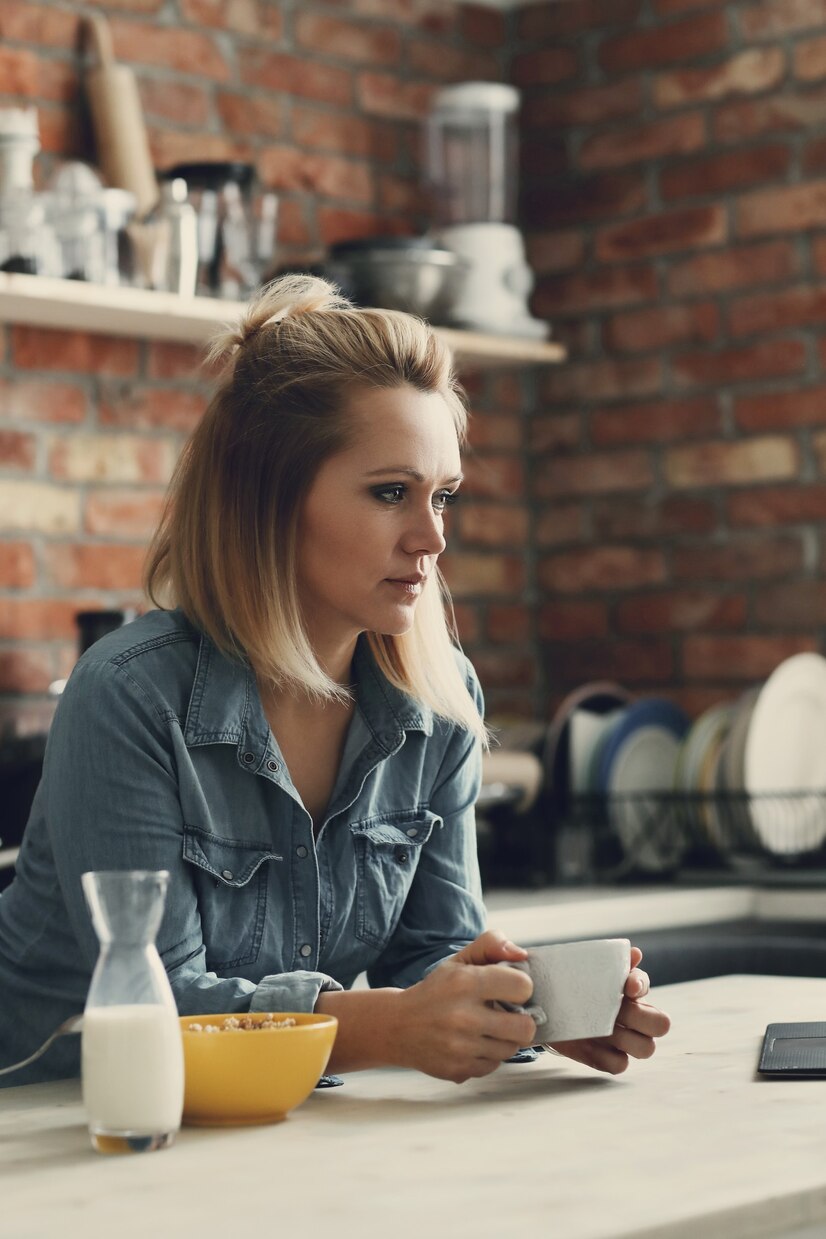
x=577, y=987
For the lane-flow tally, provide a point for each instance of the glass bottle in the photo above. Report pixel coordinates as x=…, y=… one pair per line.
x=131, y=1049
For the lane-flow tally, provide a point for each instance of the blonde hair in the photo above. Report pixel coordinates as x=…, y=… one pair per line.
x=225, y=549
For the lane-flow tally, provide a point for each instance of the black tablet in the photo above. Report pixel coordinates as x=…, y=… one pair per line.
x=794, y=1050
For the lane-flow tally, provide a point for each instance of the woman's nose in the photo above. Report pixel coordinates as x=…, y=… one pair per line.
x=425, y=535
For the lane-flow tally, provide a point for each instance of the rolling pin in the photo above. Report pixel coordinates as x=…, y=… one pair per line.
x=117, y=117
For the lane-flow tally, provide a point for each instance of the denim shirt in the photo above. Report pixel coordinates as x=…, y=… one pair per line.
x=160, y=757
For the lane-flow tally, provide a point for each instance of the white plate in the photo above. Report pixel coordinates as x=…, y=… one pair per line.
x=786, y=754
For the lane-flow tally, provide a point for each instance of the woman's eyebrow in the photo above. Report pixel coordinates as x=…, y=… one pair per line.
x=412, y=473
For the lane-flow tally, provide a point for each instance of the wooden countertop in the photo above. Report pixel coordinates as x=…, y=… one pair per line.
x=690, y=1143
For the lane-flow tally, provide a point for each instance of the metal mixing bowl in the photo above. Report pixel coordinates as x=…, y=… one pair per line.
x=420, y=281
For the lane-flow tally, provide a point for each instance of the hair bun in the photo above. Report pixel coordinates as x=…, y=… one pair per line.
x=287, y=296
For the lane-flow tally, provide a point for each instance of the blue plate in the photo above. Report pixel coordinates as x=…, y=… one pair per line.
x=647, y=712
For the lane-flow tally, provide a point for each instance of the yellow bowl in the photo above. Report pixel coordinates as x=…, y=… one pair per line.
x=252, y=1075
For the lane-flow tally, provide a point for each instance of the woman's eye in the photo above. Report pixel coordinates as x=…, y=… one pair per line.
x=444, y=498
x=389, y=494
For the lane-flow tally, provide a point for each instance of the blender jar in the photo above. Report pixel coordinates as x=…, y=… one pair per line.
x=472, y=154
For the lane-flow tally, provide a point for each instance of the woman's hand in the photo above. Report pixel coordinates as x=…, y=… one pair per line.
x=638, y=1023
x=449, y=1027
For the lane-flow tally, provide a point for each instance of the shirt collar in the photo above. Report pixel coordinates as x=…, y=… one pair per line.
x=225, y=706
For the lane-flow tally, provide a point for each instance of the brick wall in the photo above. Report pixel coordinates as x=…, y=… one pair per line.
x=327, y=100
x=675, y=196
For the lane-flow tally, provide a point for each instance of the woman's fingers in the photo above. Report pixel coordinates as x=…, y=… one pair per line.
x=637, y=984
x=643, y=1018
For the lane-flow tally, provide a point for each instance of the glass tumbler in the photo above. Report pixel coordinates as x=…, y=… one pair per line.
x=131, y=1049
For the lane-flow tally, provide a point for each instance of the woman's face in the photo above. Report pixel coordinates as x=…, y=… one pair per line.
x=371, y=526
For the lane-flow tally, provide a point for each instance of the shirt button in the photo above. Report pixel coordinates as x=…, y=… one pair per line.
x=301, y=851
x=248, y=758
x=272, y=765
x=306, y=950
x=411, y=834
x=228, y=874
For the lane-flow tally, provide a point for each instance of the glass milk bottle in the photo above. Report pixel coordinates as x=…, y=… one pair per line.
x=131, y=1049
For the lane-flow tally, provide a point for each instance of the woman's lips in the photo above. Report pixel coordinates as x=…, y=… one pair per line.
x=411, y=584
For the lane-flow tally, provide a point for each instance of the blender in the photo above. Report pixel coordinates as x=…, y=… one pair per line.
x=472, y=170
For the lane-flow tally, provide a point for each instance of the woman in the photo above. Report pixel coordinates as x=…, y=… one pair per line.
x=297, y=741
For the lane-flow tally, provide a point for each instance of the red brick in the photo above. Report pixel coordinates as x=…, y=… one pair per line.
x=401, y=194
x=123, y=513
x=490, y=430
x=178, y=102
x=344, y=134
x=295, y=75
x=503, y=669
x=20, y=73
x=810, y=59
x=601, y=569
x=744, y=119
x=494, y=477
x=59, y=129
x=739, y=658
x=684, y=610
x=17, y=568
x=240, y=16
x=719, y=173
x=609, y=378
x=741, y=559
x=633, y=663
x=789, y=209
x=467, y=621
x=550, y=21
x=545, y=66
x=427, y=59
x=732, y=463
x=482, y=26
x=642, y=142
x=88, y=566
x=690, y=228
x=781, y=410
x=293, y=228
x=791, y=605
x=250, y=115
x=169, y=147
x=813, y=159
x=619, y=518
x=748, y=72
x=36, y=348
x=771, y=506
x=335, y=224
x=596, y=474
x=37, y=619
x=483, y=575
x=508, y=624
x=188, y=51
x=767, y=19
x=774, y=311
x=168, y=360
x=285, y=167
x=644, y=331
x=663, y=45
x=17, y=450
x=58, y=82
x=492, y=525
x=589, y=105
x=568, y=620
x=382, y=94
x=603, y=196
x=819, y=445
x=22, y=21
x=585, y=291
x=557, y=432
x=151, y=408
x=26, y=669
x=554, y=251
x=323, y=36
x=30, y=506
x=657, y=422
x=560, y=525
x=742, y=267
x=747, y=364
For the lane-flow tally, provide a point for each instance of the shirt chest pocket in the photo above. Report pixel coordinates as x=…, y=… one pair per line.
x=231, y=880
x=388, y=849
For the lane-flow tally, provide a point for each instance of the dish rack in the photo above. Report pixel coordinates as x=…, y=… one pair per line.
x=657, y=835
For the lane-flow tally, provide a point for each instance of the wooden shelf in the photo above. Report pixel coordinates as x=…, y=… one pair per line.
x=71, y=305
